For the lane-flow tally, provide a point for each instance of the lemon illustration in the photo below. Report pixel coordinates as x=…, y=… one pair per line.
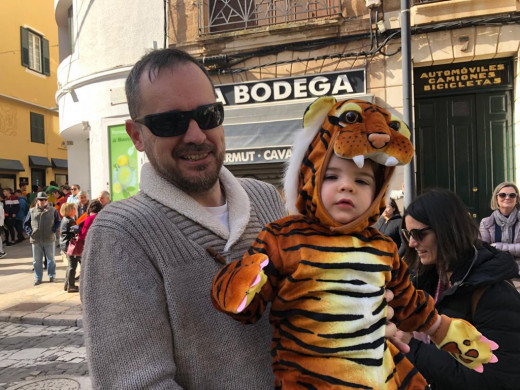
x=122, y=160
x=124, y=176
x=117, y=188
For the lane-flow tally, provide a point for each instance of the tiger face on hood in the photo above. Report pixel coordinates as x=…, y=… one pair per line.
x=351, y=129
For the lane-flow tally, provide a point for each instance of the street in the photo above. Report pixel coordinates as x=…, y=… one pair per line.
x=32, y=352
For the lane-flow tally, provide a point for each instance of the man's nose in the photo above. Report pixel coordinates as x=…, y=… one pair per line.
x=194, y=134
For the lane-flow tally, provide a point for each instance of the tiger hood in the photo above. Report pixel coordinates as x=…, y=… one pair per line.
x=352, y=129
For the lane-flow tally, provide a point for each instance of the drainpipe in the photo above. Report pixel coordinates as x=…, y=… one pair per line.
x=409, y=175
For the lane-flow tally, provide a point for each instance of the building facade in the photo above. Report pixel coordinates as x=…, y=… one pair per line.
x=31, y=149
x=270, y=59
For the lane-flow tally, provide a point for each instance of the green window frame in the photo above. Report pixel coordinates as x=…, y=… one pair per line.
x=35, y=51
x=37, y=128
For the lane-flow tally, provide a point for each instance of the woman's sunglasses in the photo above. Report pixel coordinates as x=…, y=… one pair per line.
x=417, y=234
x=502, y=195
x=173, y=123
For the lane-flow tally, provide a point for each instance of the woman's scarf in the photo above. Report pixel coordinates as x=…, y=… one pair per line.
x=506, y=224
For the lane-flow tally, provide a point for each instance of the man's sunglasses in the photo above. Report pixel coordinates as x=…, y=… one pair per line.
x=173, y=123
x=417, y=234
x=502, y=195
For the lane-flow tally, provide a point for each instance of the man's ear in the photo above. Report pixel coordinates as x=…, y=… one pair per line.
x=134, y=132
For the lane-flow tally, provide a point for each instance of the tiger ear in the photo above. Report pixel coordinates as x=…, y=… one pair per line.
x=318, y=110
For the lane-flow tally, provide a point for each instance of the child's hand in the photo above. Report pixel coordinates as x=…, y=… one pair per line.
x=462, y=341
x=236, y=291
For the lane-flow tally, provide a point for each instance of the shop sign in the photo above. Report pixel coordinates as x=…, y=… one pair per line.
x=257, y=156
x=124, y=181
x=292, y=88
x=462, y=77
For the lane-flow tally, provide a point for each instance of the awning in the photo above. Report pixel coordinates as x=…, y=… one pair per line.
x=264, y=133
x=59, y=163
x=37, y=161
x=11, y=165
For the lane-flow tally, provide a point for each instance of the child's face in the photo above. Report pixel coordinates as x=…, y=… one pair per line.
x=347, y=191
x=71, y=213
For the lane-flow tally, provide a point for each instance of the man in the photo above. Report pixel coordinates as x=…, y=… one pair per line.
x=12, y=206
x=41, y=225
x=74, y=191
x=104, y=198
x=149, y=260
x=20, y=215
x=83, y=202
x=147, y=272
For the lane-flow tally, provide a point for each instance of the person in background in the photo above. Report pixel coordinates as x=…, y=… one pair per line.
x=502, y=228
x=41, y=225
x=104, y=198
x=20, y=216
x=12, y=206
x=74, y=191
x=68, y=229
x=82, y=206
x=65, y=190
x=31, y=197
x=23, y=189
x=469, y=280
x=2, y=218
x=61, y=199
x=389, y=223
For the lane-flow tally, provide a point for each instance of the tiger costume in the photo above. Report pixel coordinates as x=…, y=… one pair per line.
x=326, y=280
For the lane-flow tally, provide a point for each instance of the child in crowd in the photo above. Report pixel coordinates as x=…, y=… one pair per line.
x=324, y=269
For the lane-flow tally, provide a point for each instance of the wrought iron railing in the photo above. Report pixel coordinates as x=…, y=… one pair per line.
x=217, y=16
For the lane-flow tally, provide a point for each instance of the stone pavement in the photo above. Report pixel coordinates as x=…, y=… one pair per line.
x=41, y=339
x=46, y=304
x=42, y=357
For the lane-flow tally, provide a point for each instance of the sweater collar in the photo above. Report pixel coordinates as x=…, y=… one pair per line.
x=157, y=188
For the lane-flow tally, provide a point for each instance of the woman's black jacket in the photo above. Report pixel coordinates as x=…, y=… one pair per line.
x=497, y=316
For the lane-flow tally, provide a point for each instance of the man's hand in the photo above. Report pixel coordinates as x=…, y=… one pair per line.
x=391, y=331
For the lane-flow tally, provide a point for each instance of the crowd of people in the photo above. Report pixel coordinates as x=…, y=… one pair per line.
x=50, y=217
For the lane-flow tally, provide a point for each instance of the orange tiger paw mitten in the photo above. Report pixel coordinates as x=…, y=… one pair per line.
x=236, y=285
x=465, y=343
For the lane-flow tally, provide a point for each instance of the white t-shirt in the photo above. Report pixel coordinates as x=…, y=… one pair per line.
x=221, y=213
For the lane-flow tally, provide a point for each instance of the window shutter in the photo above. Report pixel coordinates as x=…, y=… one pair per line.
x=45, y=56
x=24, y=38
x=37, y=128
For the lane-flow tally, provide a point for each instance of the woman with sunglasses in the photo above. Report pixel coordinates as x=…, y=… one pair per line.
x=468, y=279
x=502, y=228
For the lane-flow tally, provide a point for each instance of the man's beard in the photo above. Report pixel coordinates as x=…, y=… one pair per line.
x=191, y=184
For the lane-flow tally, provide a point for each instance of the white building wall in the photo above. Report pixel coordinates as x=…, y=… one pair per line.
x=109, y=37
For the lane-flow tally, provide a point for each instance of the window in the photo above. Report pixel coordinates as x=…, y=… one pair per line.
x=37, y=129
x=70, y=29
x=35, y=51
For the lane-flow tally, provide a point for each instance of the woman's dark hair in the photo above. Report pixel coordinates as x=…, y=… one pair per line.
x=393, y=204
x=94, y=207
x=455, y=229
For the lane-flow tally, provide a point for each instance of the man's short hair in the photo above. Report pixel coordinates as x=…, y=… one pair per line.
x=154, y=62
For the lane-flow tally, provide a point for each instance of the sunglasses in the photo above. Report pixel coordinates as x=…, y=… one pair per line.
x=503, y=195
x=417, y=234
x=174, y=123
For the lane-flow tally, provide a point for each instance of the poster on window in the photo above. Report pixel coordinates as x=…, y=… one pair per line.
x=123, y=164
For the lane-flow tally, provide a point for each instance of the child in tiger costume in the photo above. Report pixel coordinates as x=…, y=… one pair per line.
x=324, y=269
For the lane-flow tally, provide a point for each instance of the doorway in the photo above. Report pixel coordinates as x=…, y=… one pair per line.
x=465, y=143
x=38, y=177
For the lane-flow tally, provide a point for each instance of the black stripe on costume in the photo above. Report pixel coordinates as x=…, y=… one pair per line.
x=331, y=351
x=355, y=282
x=352, y=294
x=378, y=309
x=295, y=328
x=324, y=378
x=320, y=317
x=345, y=265
x=340, y=249
x=362, y=332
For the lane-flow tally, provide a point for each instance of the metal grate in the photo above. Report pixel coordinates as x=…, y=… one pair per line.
x=216, y=16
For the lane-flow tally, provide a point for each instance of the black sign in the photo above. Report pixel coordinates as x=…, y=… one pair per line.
x=293, y=88
x=259, y=155
x=24, y=181
x=459, y=77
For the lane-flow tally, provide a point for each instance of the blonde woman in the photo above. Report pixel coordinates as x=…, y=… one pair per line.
x=502, y=228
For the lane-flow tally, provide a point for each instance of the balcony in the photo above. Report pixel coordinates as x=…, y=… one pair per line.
x=219, y=16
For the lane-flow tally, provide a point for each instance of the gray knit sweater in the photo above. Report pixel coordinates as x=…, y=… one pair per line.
x=146, y=282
